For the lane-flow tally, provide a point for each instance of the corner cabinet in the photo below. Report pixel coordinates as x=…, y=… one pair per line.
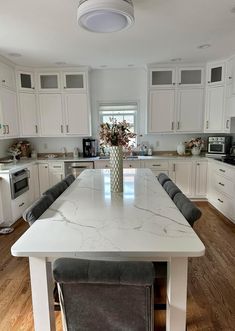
x=176, y=100
x=29, y=126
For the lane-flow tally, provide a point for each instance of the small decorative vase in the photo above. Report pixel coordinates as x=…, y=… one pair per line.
x=196, y=150
x=116, y=169
x=181, y=148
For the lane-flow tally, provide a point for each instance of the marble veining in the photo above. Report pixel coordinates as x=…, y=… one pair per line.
x=88, y=218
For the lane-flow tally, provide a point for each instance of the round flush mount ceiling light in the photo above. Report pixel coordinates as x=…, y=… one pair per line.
x=104, y=16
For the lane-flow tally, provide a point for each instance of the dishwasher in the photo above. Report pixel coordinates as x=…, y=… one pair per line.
x=76, y=168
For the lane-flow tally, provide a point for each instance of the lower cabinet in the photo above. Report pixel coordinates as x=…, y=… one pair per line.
x=49, y=174
x=157, y=166
x=105, y=164
x=43, y=173
x=34, y=192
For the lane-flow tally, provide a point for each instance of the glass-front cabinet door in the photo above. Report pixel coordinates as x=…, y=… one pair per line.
x=49, y=82
x=26, y=81
x=190, y=77
x=215, y=74
x=74, y=81
x=162, y=78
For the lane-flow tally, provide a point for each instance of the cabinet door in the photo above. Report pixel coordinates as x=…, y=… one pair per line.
x=9, y=113
x=214, y=108
x=215, y=74
x=7, y=76
x=55, y=178
x=77, y=114
x=162, y=77
x=183, y=176
x=49, y=82
x=201, y=179
x=190, y=110
x=190, y=77
x=50, y=107
x=28, y=114
x=25, y=81
x=74, y=81
x=33, y=183
x=43, y=173
x=161, y=111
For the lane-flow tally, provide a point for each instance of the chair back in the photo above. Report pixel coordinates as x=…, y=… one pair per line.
x=55, y=191
x=69, y=179
x=32, y=213
x=190, y=211
x=171, y=189
x=105, y=295
x=162, y=178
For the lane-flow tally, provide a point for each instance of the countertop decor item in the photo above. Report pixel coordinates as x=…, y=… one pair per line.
x=181, y=148
x=116, y=135
x=195, y=144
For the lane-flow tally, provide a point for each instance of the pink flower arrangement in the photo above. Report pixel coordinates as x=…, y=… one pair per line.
x=115, y=134
x=195, y=142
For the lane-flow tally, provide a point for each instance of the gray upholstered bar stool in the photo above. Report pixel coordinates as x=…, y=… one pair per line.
x=100, y=295
x=69, y=179
x=163, y=178
x=55, y=191
x=32, y=213
x=171, y=189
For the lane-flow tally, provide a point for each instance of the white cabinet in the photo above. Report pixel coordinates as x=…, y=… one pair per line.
x=162, y=77
x=51, y=115
x=215, y=73
x=105, y=164
x=182, y=174
x=190, y=110
x=201, y=179
x=215, y=103
x=19, y=205
x=56, y=172
x=157, y=166
x=77, y=114
x=7, y=76
x=161, y=111
x=43, y=173
x=74, y=81
x=8, y=114
x=26, y=81
x=190, y=77
x=49, y=82
x=34, y=192
x=28, y=115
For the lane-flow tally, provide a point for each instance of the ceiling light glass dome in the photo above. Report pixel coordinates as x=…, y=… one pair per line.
x=104, y=16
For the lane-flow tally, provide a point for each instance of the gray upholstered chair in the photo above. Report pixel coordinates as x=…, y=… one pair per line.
x=69, y=179
x=187, y=208
x=55, y=191
x=32, y=213
x=171, y=188
x=100, y=295
x=163, y=178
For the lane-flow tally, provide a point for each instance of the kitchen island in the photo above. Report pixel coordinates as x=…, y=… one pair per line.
x=88, y=221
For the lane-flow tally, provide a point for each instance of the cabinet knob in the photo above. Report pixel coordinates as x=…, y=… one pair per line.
x=3, y=81
x=33, y=88
x=130, y=166
x=208, y=82
x=230, y=77
x=21, y=205
x=180, y=83
x=173, y=83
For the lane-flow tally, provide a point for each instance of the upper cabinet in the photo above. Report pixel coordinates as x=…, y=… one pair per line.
x=7, y=76
x=28, y=114
x=162, y=78
x=74, y=81
x=190, y=77
x=26, y=81
x=48, y=82
x=8, y=114
x=215, y=73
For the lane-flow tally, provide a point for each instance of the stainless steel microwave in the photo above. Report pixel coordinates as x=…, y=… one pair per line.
x=219, y=145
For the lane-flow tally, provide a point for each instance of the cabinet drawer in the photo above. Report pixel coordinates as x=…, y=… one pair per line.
x=224, y=185
x=156, y=165
x=56, y=167
x=223, y=204
x=131, y=164
x=102, y=164
x=157, y=172
x=225, y=171
x=19, y=205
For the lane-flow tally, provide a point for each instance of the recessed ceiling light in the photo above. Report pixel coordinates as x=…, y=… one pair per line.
x=15, y=54
x=60, y=63
x=177, y=59
x=103, y=66
x=105, y=16
x=204, y=46
x=130, y=65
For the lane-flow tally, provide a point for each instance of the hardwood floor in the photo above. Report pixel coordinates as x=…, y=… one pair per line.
x=211, y=289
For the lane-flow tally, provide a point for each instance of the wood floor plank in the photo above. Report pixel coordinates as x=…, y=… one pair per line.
x=211, y=287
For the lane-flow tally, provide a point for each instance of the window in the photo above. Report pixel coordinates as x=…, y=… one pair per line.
x=121, y=112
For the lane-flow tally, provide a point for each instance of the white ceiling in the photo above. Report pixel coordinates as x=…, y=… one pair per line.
x=46, y=31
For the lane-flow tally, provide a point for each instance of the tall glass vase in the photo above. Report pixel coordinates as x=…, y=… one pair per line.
x=116, y=169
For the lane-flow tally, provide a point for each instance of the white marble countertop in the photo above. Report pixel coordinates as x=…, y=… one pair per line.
x=88, y=221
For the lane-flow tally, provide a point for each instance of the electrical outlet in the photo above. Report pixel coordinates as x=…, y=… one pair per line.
x=45, y=146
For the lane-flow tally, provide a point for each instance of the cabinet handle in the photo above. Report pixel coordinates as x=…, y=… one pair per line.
x=230, y=77
x=227, y=124
x=65, y=87
x=198, y=164
x=209, y=82
x=61, y=129
x=173, y=83
x=222, y=170
x=174, y=167
x=106, y=166
x=21, y=204
x=36, y=128
x=45, y=167
x=33, y=87
x=220, y=200
x=7, y=131
x=180, y=83
x=4, y=129
x=61, y=176
x=178, y=125
x=130, y=166
x=221, y=184
x=207, y=124
x=67, y=128
x=57, y=167
x=172, y=125
x=156, y=165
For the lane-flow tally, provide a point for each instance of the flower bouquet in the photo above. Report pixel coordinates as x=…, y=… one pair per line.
x=195, y=144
